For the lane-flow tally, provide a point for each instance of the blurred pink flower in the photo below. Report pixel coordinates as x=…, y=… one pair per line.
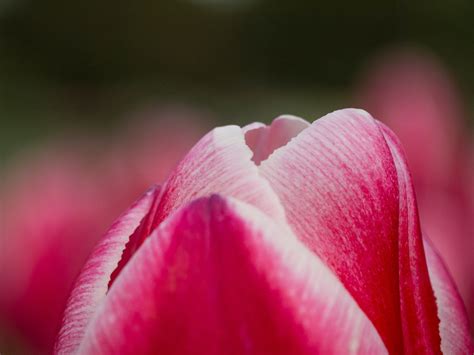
x=55, y=205
x=293, y=238
x=413, y=94
x=48, y=227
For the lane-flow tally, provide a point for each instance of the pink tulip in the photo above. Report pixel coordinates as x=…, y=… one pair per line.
x=414, y=95
x=287, y=239
x=55, y=205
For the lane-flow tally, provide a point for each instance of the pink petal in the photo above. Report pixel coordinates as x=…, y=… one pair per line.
x=91, y=286
x=419, y=312
x=415, y=95
x=221, y=277
x=339, y=185
x=454, y=325
x=264, y=140
x=219, y=163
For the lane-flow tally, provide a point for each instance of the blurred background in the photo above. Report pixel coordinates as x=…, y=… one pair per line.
x=69, y=65
x=99, y=99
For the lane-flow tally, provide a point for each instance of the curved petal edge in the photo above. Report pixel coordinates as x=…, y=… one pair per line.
x=92, y=284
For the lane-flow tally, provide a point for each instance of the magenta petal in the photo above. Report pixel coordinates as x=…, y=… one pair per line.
x=418, y=308
x=221, y=277
x=91, y=285
x=454, y=325
x=263, y=140
x=339, y=185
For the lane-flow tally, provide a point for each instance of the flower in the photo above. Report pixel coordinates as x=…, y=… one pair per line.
x=56, y=204
x=414, y=95
x=288, y=238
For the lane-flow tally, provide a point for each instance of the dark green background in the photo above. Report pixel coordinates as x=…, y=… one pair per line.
x=85, y=64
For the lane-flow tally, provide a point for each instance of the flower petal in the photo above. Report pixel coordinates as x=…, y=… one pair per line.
x=339, y=185
x=418, y=308
x=454, y=325
x=219, y=276
x=219, y=163
x=91, y=285
x=263, y=140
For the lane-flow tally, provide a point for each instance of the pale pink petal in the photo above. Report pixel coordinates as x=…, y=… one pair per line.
x=252, y=126
x=339, y=185
x=219, y=163
x=92, y=284
x=221, y=277
x=264, y=140
x=454, y=326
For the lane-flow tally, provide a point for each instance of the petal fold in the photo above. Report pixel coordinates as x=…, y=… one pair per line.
x=219, y=276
